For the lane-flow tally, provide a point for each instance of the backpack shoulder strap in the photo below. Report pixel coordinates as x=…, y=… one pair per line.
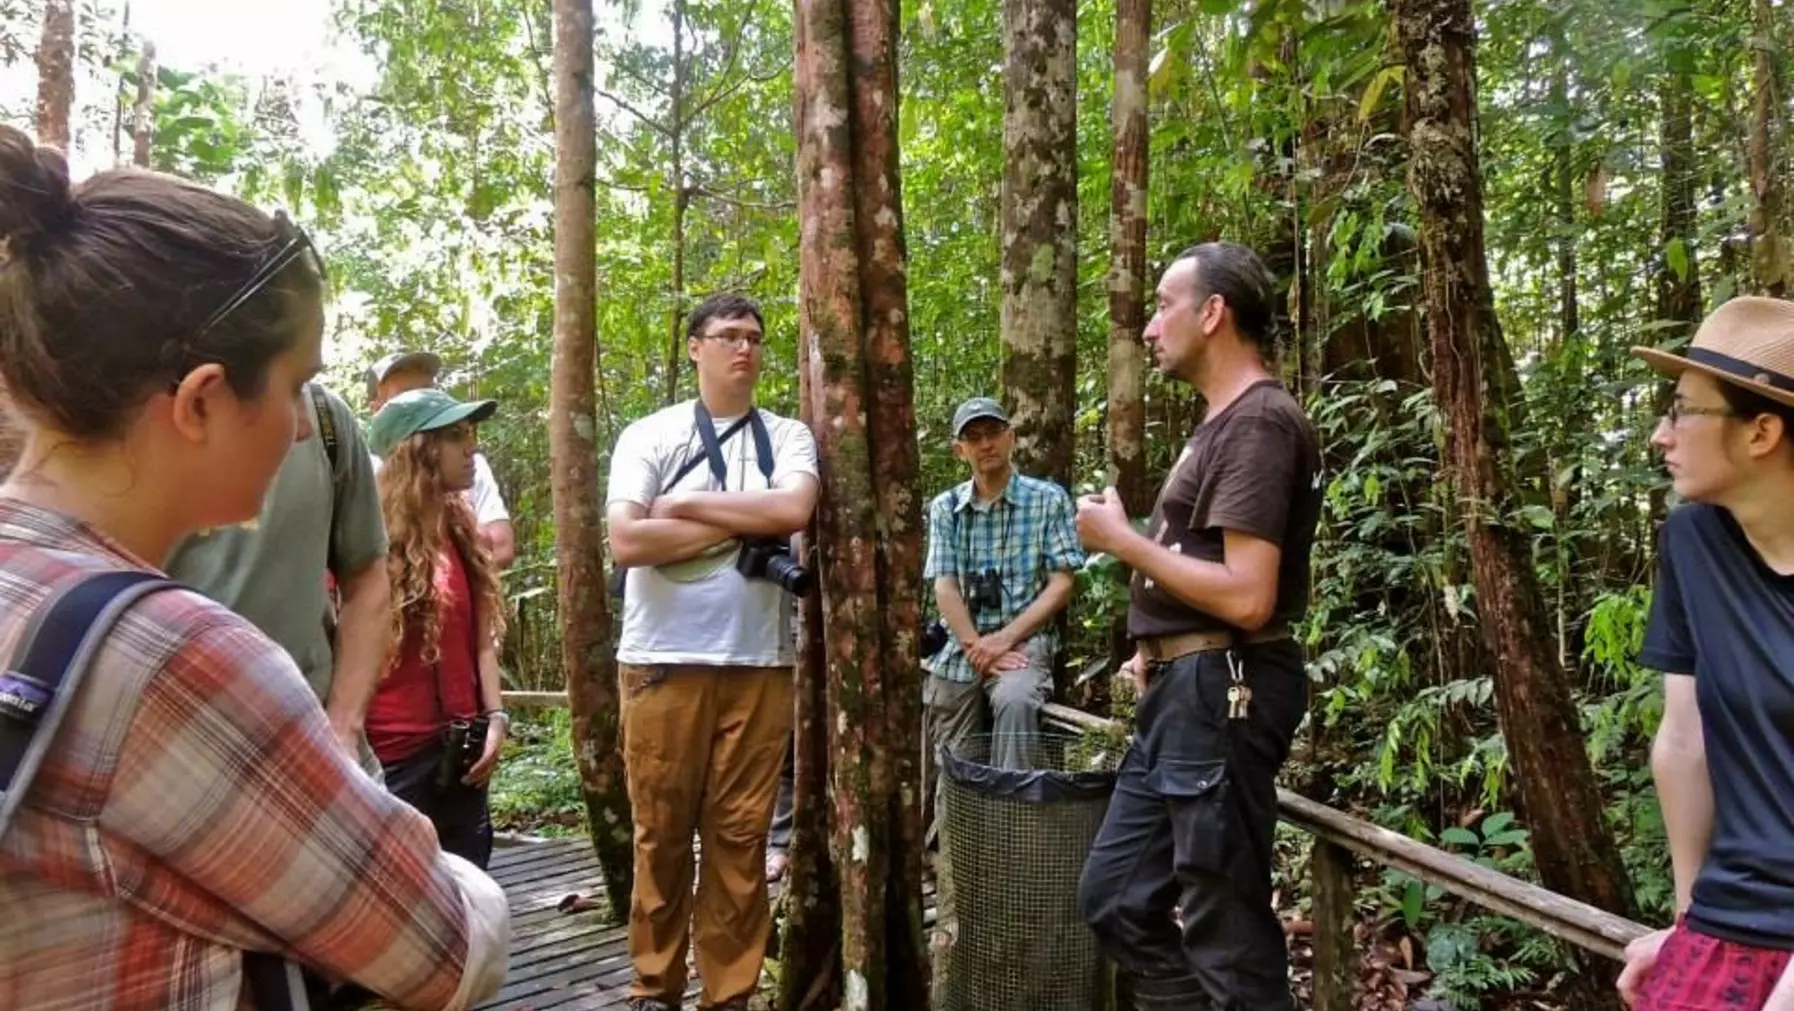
x=53, y=656
x=326, y=423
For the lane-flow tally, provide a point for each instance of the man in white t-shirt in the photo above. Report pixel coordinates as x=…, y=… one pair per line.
x=704, y=496
x=413, y=370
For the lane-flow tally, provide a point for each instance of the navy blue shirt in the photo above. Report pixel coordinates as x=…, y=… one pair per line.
x=1722, y=615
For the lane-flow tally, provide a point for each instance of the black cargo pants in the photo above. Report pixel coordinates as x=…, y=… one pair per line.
x=1190, y=827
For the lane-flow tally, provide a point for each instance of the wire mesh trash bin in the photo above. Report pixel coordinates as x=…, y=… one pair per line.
x=1015, y=840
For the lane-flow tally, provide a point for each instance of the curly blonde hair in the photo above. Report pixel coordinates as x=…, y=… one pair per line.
x=420, y=514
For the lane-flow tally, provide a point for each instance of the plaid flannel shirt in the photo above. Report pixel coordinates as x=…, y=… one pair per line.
x=1025, y=533
x=195, y=804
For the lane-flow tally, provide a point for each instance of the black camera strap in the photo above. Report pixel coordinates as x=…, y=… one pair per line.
x=965, y=533
x=713, y=448
x=713, y=455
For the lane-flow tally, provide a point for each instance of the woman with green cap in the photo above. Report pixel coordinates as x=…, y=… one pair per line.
x=435, y=722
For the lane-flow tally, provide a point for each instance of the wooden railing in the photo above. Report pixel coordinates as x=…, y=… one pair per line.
x=1337, y=837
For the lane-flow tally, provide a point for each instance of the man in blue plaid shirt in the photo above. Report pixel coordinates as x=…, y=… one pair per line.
x=1001, y=551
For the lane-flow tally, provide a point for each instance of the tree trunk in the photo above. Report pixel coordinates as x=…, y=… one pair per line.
x=1678, y=276
x=1127, y=258
x=1564, y=186
x=143, y=116
x=119, y=99
x=854, y=321
x=1772, y=249
x=587, y=660
x=896, y=471
x=1678, y=271
x=1572, y=848
x=56, y=74
x=1127, y=283
x=681, y=201
x=810, y=941
x=1040, y=232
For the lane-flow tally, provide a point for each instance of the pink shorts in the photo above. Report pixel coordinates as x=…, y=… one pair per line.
x=1695, y=972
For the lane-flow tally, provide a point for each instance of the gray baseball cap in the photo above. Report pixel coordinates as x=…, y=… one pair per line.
x=377, y=372
x=975, y=408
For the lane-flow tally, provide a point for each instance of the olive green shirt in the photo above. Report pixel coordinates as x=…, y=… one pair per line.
x=317, y=518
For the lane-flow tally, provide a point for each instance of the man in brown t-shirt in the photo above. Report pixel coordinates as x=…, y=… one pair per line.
x=1221, y=577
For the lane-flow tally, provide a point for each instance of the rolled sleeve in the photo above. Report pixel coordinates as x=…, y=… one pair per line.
x=943, y=554
x=1064, y=552
x=633, y=475
x=357, y=527
x=1668, y=641
x=795, y=457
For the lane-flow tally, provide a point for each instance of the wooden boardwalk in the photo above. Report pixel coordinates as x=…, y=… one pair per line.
x=570, y=961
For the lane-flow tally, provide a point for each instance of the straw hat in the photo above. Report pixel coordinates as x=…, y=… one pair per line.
x=1748, y=342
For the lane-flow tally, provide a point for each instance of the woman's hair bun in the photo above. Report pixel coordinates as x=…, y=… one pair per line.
x=35, y=197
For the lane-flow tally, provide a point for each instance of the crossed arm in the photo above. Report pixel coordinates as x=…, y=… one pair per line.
x=683, y=525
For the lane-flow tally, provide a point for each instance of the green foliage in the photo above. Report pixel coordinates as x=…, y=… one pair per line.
x=1274, y=122
x=536, y=787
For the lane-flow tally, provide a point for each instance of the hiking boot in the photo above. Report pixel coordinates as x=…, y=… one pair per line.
x=649, y=1004
x=732, y=1004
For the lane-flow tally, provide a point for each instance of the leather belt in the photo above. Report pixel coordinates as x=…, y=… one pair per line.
x=1169, y=647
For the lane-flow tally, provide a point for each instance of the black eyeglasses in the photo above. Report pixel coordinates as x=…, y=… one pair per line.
x=736, y=340
x=1678, y=410
x=296, y=247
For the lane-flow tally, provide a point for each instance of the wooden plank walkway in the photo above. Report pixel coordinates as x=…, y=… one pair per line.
x=572, y=961
x=566, y=961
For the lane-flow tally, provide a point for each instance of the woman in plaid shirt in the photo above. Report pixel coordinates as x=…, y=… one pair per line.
x=155, y=339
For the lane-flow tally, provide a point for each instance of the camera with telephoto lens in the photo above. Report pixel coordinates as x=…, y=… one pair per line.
x=984, y=592
x=462, y=745
x=772, y=561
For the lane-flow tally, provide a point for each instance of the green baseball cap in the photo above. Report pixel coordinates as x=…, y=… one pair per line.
x=422, y=410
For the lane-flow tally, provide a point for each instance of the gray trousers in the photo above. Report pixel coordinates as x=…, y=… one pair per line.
x=1006, y=706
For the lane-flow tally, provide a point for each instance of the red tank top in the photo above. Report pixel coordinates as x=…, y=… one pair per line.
x=416, y=700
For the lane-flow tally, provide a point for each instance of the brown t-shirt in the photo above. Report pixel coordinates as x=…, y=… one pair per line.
x=1254, y=468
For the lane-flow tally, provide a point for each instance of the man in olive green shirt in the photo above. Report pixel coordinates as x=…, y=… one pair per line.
x=322, y=515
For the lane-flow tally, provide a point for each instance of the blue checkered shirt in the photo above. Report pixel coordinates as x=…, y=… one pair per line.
x=1024, y=533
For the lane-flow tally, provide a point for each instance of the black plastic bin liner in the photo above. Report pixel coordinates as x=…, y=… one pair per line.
x=1015, y=842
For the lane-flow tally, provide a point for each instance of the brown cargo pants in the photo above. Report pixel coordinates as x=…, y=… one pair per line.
x=703, y=746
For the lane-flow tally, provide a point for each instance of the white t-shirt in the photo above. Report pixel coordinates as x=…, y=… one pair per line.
x=484, y=498
x=720, y=617
x=488, y=504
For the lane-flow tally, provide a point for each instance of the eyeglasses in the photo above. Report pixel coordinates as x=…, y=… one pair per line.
x=297, y=246
x=1678, y=410
x=753, y=342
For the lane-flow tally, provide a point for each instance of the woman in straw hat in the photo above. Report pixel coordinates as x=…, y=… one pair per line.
x=1722, y=631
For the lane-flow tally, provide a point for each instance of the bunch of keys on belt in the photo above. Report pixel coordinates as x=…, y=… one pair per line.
x=1239, y=694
